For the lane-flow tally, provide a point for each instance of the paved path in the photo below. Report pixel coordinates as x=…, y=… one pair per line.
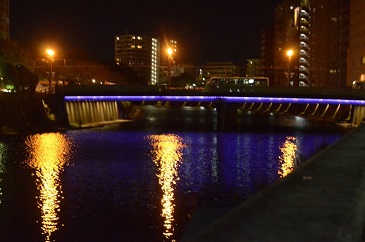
x=323, y=200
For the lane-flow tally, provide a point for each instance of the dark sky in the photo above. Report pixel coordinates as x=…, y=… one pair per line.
x=226, y=30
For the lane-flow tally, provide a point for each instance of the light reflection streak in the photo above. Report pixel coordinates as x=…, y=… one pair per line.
x=48, y=156
x=167, y=155
x=288, y=157
x=3, y=150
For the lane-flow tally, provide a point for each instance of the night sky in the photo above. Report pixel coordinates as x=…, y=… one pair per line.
x=227, y=30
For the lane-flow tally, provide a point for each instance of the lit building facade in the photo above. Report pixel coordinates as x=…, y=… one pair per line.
x=302, y=22
x=141, y=53
x=285, y=37
x=254, y=67
x=220, y=69
x=155, y=61
x=4, y=19
x=317, y=33
x=356, y=53
x=329, y=42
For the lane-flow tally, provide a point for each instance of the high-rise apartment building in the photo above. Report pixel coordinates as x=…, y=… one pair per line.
x=286, y=37
x=344, y=40
x=4, y=19
x=329, y=33
x=139, y=52
x=356, y=53
x=173, y=46
x=168, y=55
x=267, y=53
x=317, y=33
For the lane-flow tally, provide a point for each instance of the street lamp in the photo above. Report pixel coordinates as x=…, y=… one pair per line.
x=289, y=53
x=169, y=53
x=50, y=54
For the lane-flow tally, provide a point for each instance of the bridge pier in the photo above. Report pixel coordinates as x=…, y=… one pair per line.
x=226, y=115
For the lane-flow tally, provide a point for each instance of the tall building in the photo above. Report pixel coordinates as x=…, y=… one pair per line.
x=286, y=37
x=329, y=42
x=168, y=44
x=303, y=23
x=344, y=40
x=155, y=61
x=356, y=53
x=139, y=52
x=168, y=66
x=4, y=18
x=254, y=67
x=267, y=53
x=316, y=31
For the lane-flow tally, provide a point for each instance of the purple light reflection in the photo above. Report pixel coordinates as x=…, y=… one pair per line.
x=228, y=99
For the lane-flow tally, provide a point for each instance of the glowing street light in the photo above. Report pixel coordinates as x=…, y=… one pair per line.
x=289, y=53
x=50, y=54
x=169, y=56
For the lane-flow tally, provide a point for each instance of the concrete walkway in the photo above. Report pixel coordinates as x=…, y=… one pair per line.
x=323, y=200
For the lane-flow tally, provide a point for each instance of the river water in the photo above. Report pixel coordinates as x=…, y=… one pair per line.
x=143, y=180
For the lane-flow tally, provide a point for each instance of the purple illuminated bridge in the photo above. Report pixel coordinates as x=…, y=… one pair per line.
x=261, y=94
x=332, y=104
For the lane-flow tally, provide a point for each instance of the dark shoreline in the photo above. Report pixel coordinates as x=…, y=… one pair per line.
x=27, y=113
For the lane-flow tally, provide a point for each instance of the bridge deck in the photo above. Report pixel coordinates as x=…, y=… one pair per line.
x=324, y=200
x=249, y=94
x=102, y=90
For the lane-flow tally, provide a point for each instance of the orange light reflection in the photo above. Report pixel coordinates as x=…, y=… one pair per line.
x=288, y=157
x=49, y=153
x=167, y=155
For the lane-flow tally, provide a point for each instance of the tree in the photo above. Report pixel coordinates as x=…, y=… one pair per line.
x=17, y=78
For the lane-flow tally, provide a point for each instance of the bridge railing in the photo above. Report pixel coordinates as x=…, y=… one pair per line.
x=110, y=90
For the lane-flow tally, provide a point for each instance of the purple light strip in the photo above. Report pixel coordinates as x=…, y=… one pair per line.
x=228, y=99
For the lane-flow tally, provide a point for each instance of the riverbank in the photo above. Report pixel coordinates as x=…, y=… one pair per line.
x=23, y=113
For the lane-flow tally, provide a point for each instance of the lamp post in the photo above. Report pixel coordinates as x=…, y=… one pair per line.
x=50, y=54
x=289, y=53
x=169, y=53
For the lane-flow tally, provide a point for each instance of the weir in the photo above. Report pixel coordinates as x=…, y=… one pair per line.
x=91, y=113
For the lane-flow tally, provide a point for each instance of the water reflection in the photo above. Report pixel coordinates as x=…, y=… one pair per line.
x=3, y=150
x=288, y=157
x=48, y=156
x=167, y=155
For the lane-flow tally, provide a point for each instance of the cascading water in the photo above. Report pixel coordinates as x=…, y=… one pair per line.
x=89, y=113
